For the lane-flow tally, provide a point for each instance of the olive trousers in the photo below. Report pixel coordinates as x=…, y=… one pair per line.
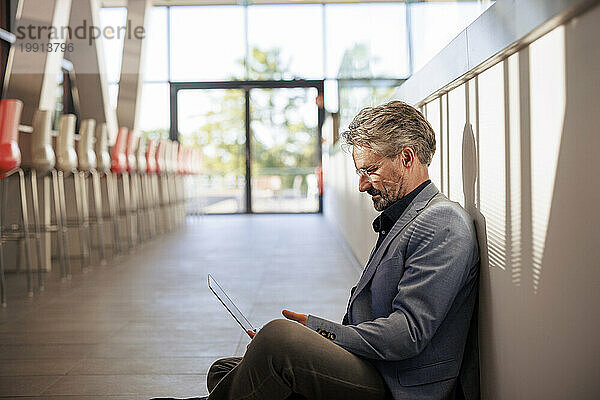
x=286, y=360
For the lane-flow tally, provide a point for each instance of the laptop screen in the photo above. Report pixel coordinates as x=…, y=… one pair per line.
x=229, y=305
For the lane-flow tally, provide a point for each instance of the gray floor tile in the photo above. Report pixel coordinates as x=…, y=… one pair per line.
x=150, y=385
x=64, y=337
x=145, y=366
x=57, y=325
x=154, y=350
x=36, y=367
x=43, y=351
x=25, y=385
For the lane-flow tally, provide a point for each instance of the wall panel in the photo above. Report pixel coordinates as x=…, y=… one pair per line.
x=433, y=116
x=492, y=162
x=547, y=99
x=456, y=125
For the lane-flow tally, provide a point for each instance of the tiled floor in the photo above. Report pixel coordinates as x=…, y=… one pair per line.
x=147, y=325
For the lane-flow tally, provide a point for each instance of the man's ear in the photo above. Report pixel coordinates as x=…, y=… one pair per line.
x=407, y=157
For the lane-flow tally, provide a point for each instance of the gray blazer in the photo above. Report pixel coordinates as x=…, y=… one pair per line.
x=411, y=312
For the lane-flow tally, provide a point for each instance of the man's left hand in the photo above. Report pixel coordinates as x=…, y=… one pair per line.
x=300, y=318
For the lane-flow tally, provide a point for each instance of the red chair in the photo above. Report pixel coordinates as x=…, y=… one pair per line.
x=187, y=163
x=10, y=155
x=105, y=184
x=10, y=162
x=161, y=150
x=151, y=157
x=162, y=185
x=130, y=152
x=180, y=157
x=119, y=166
x=152, y=186
x=118, y=157
x=133, y=210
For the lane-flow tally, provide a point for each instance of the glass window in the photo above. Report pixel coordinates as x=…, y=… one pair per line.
x=284, y=150
x=214, y=121
x=353, y=97
x=155, y=48
x=113, y=48
x=207, y=43
x=331, y=95
x=435, y=24
x=154, y=111
x=113, y=94
x=295, y=51
x=366, y=40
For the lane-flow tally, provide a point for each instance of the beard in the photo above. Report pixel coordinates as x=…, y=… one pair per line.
x=386, y=197
x=383, y=201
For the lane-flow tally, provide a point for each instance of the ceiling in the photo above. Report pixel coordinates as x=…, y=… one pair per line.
x=122, y=3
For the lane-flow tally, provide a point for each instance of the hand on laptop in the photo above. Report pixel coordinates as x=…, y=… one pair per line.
x=300, y=318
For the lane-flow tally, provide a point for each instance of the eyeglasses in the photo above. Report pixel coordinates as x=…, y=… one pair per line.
x=368, y=171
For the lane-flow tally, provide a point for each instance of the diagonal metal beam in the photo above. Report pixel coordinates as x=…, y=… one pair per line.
x=88, y=64
x=130, y=84
x=32, y=75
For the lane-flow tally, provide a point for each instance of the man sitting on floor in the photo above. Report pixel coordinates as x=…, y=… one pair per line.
x=409, y=331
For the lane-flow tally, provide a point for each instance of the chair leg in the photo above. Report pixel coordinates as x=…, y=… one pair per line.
x=86, y=214
x=133, y=210
x=113, y=197
x=181, y=194
x=80, y=220
x=59, y=226
x=127, y=200
x=163, y=204
x=63, y=216
x=170, y=201
x=36, y=223
x=25, y=221
x=160, y=202
x=2, y=281
x=147, y=195
x=139, y=209
x=168, y=204
x=97, y=194
x=155, y=204
x=159, y=205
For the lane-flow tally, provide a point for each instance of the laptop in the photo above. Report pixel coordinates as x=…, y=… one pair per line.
x=235, y=312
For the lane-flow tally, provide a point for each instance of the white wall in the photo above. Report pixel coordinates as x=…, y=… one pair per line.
x=345, y=207
x=531, y=164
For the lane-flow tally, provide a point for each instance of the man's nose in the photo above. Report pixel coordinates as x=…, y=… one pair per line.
x=364, y=184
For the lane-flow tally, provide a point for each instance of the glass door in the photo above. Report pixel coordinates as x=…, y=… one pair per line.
x=284, y=150
x=214, y=121
x=260, y=142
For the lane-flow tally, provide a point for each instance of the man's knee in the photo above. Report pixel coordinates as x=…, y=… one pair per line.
x=219, y=369
x=277, y=335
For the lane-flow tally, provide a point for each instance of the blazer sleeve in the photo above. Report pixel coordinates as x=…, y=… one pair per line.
x=439, y=256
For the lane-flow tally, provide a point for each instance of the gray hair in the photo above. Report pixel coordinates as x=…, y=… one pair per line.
x=389, y=128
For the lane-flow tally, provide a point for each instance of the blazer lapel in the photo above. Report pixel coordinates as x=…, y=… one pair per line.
x=415, y=207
